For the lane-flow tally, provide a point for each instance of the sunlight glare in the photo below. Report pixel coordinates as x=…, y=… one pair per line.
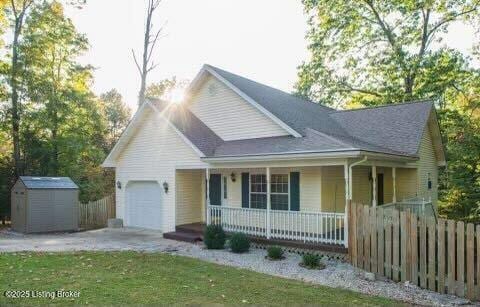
x=176, y=95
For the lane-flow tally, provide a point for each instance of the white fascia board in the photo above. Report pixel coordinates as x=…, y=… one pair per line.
x=283, y=156
x=307, y=155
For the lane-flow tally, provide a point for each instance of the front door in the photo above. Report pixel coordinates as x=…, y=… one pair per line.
x=380, y=189
x=215, y=189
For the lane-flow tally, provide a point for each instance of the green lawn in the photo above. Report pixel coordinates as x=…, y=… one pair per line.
x=133, y=278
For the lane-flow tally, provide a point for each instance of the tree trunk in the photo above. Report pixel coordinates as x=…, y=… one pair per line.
x=15, y=99
x=146, y=43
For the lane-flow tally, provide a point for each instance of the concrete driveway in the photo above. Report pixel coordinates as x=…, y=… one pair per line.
x=102, y=239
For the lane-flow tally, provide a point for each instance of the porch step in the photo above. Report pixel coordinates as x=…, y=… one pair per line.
x=196, y=228
x=189, y=237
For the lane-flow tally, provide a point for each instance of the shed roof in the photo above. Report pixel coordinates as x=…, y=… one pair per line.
x=32, y=182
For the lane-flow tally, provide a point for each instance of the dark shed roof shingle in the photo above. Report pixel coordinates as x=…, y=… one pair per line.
x=32, y=182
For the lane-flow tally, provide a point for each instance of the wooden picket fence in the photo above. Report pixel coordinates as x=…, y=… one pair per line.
x=442, y=256
x=95, y=214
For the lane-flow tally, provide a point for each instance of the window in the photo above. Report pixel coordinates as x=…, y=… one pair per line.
x=224, y=187
x=279, y=192
x=258, y=191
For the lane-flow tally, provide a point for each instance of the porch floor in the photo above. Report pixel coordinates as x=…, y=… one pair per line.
x=194, y=233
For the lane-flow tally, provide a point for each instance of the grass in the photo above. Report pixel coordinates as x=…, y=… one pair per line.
x=155, y=278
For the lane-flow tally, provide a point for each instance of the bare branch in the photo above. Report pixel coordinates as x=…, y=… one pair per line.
x=153, y=43
x=152, y=67
x=136, y=62
x=385, y=27
x=14, y=8
x=359, y=90
x=449, y=19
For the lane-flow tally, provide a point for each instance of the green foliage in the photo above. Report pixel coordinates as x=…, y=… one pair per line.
x=214, y=237
x=372, y=52
x=368, y=53
x=117, y=112
x=64, y=129
x=460, y=182
x=275, y=252
x=312, y=261
x=165, y=89
x=239, y=242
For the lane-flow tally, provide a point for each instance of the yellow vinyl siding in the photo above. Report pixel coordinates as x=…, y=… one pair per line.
x=229, y=115
x=427, y=165
x=189, y=196
x=310, y=186
x=406, y=183
x=152, y=155
x=361, y=185
x=333, y=189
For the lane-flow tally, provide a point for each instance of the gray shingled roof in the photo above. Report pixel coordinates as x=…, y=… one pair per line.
x=193, y=128
x=394, y=129
x=32, y=182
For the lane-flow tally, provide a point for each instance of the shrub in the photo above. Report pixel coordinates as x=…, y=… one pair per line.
x=312, y=261
x=239, y=242
x=214, y=237
x=274, y=253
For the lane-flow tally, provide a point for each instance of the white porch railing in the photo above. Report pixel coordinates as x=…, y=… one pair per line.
x=311, y=227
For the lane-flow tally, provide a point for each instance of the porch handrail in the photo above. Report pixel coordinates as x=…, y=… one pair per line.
x=306, y=226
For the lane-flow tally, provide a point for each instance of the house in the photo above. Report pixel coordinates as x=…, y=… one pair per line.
x=270, y=164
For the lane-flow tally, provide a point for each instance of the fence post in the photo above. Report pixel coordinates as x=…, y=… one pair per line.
x=460, y=258
x=451, y=257
x=470, y=262
x=441, y=255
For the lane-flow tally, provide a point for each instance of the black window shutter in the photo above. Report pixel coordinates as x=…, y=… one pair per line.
x=245, y=190
x=295, y=191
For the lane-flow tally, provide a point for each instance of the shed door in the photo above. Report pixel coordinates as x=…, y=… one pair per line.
x=143, y=205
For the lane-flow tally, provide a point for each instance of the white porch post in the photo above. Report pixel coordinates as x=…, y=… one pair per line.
x=207, y=175
x=394, y=180
x=374, y=184
x=268, y=203
x=348, y=198
x=348, y=184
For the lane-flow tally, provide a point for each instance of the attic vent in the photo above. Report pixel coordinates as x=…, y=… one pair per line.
x=212, y=90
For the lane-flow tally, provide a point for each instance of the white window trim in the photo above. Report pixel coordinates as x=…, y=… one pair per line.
x=271, y=193
x=276, y=193
x=224, y=190
x=250, y=190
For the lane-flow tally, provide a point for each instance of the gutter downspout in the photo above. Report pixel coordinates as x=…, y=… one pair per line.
x=350, y=175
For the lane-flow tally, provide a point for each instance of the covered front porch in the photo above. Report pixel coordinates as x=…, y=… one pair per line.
x=289, y=201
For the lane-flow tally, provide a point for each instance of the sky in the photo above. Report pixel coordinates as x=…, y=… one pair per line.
x=262, y=40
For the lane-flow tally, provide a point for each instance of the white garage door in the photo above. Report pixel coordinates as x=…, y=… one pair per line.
x=144, y=205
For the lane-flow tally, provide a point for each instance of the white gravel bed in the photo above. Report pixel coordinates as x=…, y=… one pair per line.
x=336, y=274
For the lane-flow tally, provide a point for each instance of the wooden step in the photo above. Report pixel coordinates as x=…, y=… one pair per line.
x=190, y=228
x=183, y=236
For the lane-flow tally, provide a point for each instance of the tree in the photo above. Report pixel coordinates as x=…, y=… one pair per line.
x=378, y=51
x=118, y=115
x=165, y=88
x=149, y=42
x=64, y=132
x=53, y=77
x=18, y=11
x=367, y=53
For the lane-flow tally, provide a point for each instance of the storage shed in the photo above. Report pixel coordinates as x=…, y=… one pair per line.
x=44, y=204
